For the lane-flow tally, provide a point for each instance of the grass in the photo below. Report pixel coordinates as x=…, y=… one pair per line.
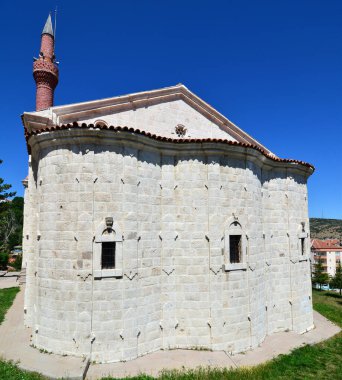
x=6, y=299
x=328, y=304
x=320, y=362
x=10, y=371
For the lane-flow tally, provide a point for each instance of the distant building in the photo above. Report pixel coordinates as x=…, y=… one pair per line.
x=17, y=250
x=329, y=252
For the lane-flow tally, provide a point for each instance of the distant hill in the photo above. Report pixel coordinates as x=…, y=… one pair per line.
x=325, y=228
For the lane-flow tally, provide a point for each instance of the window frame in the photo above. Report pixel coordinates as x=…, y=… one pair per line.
x=115, y=236
x=234, y=227
x=302, y=240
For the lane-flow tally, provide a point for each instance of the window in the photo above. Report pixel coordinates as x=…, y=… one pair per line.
x=235, y=247
x=302, y=241
x=107, y=250
x=108, y=255
x=302, y=246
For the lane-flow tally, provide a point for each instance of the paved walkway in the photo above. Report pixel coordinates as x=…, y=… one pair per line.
x=15, y=345
x=9, y=279
x=274, y=345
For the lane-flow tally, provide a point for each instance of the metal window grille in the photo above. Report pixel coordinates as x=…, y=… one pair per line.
x=108, y=255
x=235, y=248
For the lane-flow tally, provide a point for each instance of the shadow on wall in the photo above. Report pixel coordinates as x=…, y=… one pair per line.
x=75, y=153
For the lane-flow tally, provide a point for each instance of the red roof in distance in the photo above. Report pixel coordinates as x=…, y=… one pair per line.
x=326, y=245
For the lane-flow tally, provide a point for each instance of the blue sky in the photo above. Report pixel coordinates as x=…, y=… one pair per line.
x=274, y=68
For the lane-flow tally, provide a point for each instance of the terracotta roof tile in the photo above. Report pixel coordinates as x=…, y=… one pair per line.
x=329, y=244
x=162, y=138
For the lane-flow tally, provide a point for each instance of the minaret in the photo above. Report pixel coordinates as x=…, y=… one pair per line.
x=45, y=70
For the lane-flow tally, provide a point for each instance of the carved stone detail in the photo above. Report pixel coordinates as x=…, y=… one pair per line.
x=180, y=130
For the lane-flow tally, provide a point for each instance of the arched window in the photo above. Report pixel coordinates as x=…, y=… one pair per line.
x=108, y=250
x=235, y=246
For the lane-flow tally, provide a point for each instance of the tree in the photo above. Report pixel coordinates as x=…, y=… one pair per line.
x=7, y=228
x=319, y=276
x=3, y=260
x=4, y=193
x=7, y=216
x=336, y=281
x=17, y=210
x=17, y=262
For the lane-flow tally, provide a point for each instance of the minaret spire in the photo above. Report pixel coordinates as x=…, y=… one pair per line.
x=48, y=27
x=45, y=70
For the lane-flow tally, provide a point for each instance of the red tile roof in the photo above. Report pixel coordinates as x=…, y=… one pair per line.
x=326, y=245
x=162, y=138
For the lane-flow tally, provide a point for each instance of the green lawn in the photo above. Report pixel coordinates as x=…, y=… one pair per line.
x=6, y=299
x=320, y=362
x=10, y=371
x=328, y=304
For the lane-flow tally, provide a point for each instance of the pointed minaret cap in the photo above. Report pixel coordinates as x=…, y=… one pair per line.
x=48, y=27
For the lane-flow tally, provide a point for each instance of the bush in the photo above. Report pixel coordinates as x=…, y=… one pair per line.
x=3, y=260
x=17, y=262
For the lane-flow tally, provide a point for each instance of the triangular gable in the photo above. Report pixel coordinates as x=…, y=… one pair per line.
x=157, y=111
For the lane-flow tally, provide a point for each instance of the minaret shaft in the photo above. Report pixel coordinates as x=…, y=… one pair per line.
x=47, y=46
x=45, y=70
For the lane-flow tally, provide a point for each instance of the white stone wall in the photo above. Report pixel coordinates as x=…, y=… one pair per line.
x=172, y=203
x=162, y=118
x=30, y=248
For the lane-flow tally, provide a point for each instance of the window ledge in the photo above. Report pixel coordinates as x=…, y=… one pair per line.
x=105, y=273
x=232, y=267
x=299, y=259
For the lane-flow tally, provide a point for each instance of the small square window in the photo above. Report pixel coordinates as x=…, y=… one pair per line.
x=235, y=248
x=108, y=255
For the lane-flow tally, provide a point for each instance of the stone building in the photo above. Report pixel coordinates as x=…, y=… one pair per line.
x=153, y=222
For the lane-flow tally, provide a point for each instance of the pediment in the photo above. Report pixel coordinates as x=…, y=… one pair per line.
x=159, y=112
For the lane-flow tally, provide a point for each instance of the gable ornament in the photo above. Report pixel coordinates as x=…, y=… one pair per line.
x=180, y=130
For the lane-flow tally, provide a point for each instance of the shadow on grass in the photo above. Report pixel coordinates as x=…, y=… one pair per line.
x=333, y=295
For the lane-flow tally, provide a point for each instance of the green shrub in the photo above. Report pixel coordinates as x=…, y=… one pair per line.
x=17, y=263
x=3, y=260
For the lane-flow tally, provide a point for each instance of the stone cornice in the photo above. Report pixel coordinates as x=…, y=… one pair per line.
x=82, y=133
